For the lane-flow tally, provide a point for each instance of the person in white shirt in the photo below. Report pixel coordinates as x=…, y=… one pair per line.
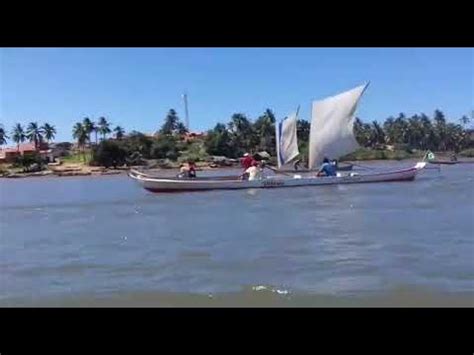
x=254, y=172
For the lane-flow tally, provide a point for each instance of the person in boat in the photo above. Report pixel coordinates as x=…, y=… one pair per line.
x=191, y=169
x=247, y=161
x=327, y=169
x=296, y=164
x=254, y=172
x=187, y=170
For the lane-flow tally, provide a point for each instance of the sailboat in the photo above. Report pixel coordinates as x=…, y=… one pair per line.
x=287, y=146
x=331, y=135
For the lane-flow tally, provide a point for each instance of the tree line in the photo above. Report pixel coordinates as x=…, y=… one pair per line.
x=34, y=133
x=242, y=134
x=416, y=132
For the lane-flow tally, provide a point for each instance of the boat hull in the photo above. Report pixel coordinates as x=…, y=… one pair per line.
x=202, y=184
x=444, y=162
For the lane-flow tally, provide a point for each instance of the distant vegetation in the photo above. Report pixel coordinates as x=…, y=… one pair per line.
x=97, y=143
x=34, y=133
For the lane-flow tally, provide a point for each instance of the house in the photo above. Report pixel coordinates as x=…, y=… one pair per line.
x=190, y=136
x=9, y=154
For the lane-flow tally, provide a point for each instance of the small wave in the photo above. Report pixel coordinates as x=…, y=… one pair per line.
x=255, y=296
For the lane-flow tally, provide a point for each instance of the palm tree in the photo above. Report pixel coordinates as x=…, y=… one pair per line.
x=35, y=134
x=378, y=133
x=80, y=133
x=241, y=131
x=465, y=120
x=3, y=136
x=119, y=132
x=264, y=129
x=104, y=127
x=49, y=131
x=95, y=129
x=18, y=135
x=89, y=127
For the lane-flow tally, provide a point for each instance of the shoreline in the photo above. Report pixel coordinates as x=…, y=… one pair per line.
x=87, y=171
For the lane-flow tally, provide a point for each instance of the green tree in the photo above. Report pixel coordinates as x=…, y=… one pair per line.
x=429, y=140
x=49, y=132
x=181, y=128
x=35, y=134
x=103, y=127
x=378, y=134
x=218, y=142
x=81, y=135
x=241, y=133
x=109, y=153
x=89, y=127
x=172, y=124
x=440, y=129
x=264, y=129
x=464, y=120
x=3, y=136
x=362, y=132
x=18, y=135
x=29, y=162
x=138, y=142
x=303, y=129
x=119, y=132
x=165, y=147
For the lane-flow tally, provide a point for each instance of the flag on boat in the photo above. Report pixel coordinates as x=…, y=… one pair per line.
x=430, y=155
x=286, y=140
x=332, y=126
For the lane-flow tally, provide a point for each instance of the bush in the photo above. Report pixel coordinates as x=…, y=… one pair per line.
x=194, y=151
x=376, y=154
x=469, y=153
x=135, y=158
x=109, y=153
x=138, y=142
x=165, y=147
x=29, y=163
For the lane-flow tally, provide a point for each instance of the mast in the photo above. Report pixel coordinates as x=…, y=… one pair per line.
x=186, y=113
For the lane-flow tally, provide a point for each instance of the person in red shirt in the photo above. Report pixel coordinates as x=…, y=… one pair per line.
x=247, y=161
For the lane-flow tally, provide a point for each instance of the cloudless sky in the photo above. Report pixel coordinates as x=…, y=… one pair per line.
x=135, y=87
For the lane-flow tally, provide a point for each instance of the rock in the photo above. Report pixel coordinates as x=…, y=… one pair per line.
x=111, y=172
x=73, y=173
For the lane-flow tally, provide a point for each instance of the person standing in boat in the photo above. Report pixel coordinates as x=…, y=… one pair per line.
x=247, y=161
x=327, y=169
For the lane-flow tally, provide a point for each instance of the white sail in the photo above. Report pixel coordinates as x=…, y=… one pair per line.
x=332, y=123
x=286, y=140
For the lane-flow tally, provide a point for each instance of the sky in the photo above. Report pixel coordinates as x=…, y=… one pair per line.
x=135, y=87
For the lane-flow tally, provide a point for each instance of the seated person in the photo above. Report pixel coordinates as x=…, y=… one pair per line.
x=191, y=169
x=327, y=169
x=254, y=172
x=187, y=170
x=296, y=164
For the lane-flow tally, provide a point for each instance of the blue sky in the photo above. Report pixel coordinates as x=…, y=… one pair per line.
x=135, y=87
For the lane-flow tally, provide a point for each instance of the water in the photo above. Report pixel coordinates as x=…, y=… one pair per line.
x=104, y=241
